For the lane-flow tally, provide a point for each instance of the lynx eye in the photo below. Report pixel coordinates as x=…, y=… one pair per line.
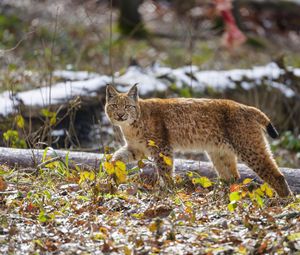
x=113, y=105
x=128, y=107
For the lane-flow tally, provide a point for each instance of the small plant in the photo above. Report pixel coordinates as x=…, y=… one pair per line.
x=239, y=192
x=116, y=170
x=12, y=139
x=50, y=116
x=199, y=180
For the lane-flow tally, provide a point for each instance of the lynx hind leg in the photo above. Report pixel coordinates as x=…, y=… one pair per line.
x=225, y=163
x=257, y=155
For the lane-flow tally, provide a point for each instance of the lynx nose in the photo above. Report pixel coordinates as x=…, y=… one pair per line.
x=120, y=115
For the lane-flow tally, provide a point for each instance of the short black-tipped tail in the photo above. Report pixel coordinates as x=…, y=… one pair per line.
x=272, y=131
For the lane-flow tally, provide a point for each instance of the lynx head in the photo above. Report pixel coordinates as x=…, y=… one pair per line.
x=122, y=108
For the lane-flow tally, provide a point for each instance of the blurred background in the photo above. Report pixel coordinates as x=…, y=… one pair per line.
x=169, y=41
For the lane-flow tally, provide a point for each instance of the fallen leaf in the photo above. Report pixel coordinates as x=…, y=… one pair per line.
x=3, y=184
x=158, y=211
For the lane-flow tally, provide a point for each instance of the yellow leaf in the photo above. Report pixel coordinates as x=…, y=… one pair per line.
x=86, y=175
x=263, y=187
x=294, y=236
x=53, y=119
x=52, y=165
x=269, y=192
x=234, y=196
x=127, y=250
x=20, y=121
x=166, y=159
x=247, y=180
x=153, y=227
x=108, y=157
x=242, y=250
x=244, y=193
x=92, y=176
x=267, y=189
x=120, y=170
x=260, y=192
x=141, y=164
x=152, y=143
x=99, y=236
x=190, y=174
x=121, y=165
x=109, y=168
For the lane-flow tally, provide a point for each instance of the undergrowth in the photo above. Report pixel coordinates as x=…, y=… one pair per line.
x=115, y=209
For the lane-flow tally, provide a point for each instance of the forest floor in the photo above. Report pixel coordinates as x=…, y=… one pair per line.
x=56, y=210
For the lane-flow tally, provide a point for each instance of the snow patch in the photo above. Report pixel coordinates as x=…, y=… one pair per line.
x=62, y=91
x=74, y=75
x=153, y=78
x=135, y=74
x=6, y=103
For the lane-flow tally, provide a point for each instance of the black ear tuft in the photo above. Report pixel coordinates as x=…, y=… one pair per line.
x=133, y=92
x=110, y=91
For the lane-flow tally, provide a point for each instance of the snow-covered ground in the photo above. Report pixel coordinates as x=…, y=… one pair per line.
x=154, y=78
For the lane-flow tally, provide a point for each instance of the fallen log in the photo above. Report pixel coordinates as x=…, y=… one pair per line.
x=26, y=158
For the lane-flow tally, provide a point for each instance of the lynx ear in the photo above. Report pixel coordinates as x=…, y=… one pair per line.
x=110, y=92
x=133, y=92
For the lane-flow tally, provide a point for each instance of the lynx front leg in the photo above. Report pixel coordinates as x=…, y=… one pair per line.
x=163, y=157
x=126, y=154
x=225, y=162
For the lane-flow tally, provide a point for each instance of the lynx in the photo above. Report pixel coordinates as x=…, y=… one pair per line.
x=225, y=129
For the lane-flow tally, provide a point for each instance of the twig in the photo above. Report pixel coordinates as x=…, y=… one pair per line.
x=110, y=44
x=8, y=192
x=288, y=216
x=18, y=43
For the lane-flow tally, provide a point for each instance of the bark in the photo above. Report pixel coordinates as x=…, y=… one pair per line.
x=26, y=158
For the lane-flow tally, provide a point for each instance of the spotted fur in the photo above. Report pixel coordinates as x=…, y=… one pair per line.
x=225, y=129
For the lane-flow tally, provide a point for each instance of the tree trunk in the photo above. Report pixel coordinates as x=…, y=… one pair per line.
x=33, y=158
x=130, y=20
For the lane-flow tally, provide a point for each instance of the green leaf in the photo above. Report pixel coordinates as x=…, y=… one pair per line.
x=203, y=181
x=45, y=154
x=259, y=200
x=47, y=194
x=67, y=160
x=231, y=207
x=42, y=217
x=234, y=196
